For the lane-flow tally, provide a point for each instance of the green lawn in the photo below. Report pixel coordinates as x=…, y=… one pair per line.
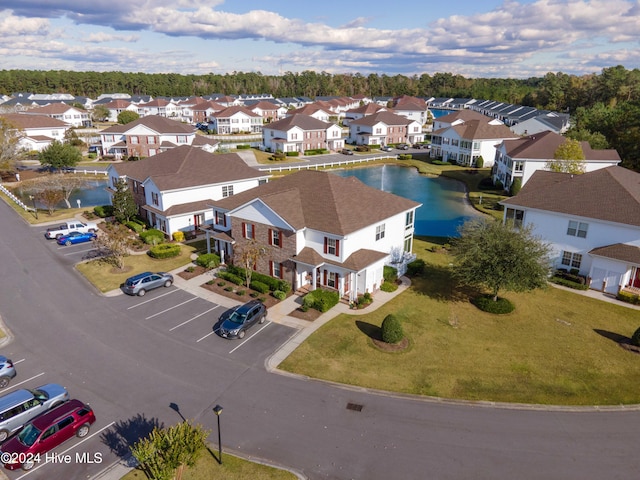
x=232, y=468
x=555, y=348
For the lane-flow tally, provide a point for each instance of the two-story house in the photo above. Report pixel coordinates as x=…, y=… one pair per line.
x=61, y=111
x=361, y=111
x=384, y=128
x=36, y=132
x=174, y=189
x=117, y=106
x=235, y=119
x=269, y=110
x=202, y=112
x=520, y=158
x=298, y=133
x=317, y=229
x=148, y=136
x=591, y=221
x=463, y=136
x=159, y=107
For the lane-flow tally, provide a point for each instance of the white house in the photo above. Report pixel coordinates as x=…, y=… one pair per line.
x=591, y=221
x=318, y=229
x=463, y=136
x=61, y=111
x=298, y=133
x=36, y=132
x=117, y=106
x=235, y=119
x=174, y=189
x=542, y=122
x=384, y=128
x=522, y=157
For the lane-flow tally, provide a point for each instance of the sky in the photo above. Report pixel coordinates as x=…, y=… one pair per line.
x=473, y=38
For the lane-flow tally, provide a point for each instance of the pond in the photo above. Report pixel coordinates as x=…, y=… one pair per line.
x=444, y=207
x=92, y=193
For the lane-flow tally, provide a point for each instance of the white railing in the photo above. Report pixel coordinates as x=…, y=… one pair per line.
x=401, y=263
x=315, y=166
x=17, y=201
x=86, y=171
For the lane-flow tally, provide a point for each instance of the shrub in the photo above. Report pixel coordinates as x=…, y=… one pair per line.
x=439, y=162
x=576, y=282
x=152, y=236
x=480, y=162
x=164, y=250
x=190, y=269
x=283, y=286
x=230, y=277
x=389, y=286
x=390, y=274
x=221, y=283
x=103, y=211
x=635, y=338
x=416, y=267
x=135, y=226
x=280, y=295
x=178, y=236
x=243, y=147
x=516, y=186
x=259, y=286
x=211, y=282
x=321, y=300
x=405, y=156
x=391, y=329
x=499, y=307
x=240, y=293
x=228, y=289
x=208, y=260
x=628, y=297
x=292, y=154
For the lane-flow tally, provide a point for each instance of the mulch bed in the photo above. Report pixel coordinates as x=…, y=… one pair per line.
x=269, y=301
x=310, y=315
x=197, y=270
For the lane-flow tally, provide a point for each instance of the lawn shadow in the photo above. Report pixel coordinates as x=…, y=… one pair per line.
x=372, y=331
x=125, y=433
x=615, y=337
x=437, y=282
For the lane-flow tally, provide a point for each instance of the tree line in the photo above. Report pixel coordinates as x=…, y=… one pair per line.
x=607, y=103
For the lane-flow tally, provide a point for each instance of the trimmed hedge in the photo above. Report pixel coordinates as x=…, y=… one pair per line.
x=178, y=236
x=389, y=286
x=273, y=282
x=628, y=297
x=280, y=295
x=321, y=300
x=259, y=286
x=405, y=156
x=135, y=226
x=208, y=260
x=152, y=236
x=243, y=147
x=568, y=283
x=416, y=267
x=389, y=274
x=499, y=307
x=391, y=329
x=230, y=277
x=103, y=211
x=164, y=250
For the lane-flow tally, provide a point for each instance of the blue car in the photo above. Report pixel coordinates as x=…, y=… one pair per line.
x=76, y=237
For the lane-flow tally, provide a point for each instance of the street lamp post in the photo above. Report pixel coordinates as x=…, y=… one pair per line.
x=35, y=209
x=218, y=410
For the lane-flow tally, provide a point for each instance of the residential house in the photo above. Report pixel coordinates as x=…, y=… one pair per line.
x=174, y=189
x=148, y=136
x=267, y=109
x=322, y=113
x=463, y=136
x=203, y=111
x=542, y=122
x=36, y=132
x=117, y=106
x=413, y=108
x=297, y=133
x=520, y=158
x=318, y=229
x=384, y=128
x=159, y=107
x=362, y=111
x=591, y=221
x=61, y=111
x=235, y=119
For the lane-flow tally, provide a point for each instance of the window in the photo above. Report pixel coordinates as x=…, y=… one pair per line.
x=151, y=140
x=154, y=198
x=332, y=280
x=227, y=191
x=248, y=230
x=519, y=166
x=134, y=140
x=572, y=260
x=408, y=243
x=221, y=219
x=379, y=232
x=577, y=229
x=332, y=246
x=275, y=238
x=409, y=220
x=516, y=216
x=276, y=269
x=182, y=139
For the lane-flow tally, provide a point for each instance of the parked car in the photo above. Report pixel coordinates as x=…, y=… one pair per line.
x=143, y=282
x=346, y=151
x=45, y=433
x=19, y=407
x=7, y=371
x=234, y=323
x=386, y=148
x=402, y=146
x=72, y=238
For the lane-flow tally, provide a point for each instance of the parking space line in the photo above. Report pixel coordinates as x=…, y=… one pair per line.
x=193, y=318
x=14, y=385
x=207, y=335
x=171, y=308
x=62, y=454
x=265, y=326
x=152, y=299
x=77, y=251
x=19, y=361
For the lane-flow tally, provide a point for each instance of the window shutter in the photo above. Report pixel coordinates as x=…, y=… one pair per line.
x=337, y=248
x=325, y=244
x=270, y=237
x=244, y=230
x=280, y=238
x=271, y=268
x=224, y=220
x=281, y=271
x=325, y=277
x=253, y=232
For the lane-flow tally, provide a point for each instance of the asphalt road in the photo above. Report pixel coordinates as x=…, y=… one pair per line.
x=155, y=360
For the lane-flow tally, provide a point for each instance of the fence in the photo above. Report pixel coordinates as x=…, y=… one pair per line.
x=14, y=198
x=87, y=172
x=315, y=166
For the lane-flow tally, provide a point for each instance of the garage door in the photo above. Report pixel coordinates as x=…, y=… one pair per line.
x=597, y=278
x=613, y=282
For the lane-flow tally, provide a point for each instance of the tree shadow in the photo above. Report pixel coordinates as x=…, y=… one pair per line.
x=372, y=331
x=439, y=283
x=125, y=433
x=615, y=337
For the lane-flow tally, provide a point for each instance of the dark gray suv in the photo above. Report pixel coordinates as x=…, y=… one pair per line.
x=235, y=322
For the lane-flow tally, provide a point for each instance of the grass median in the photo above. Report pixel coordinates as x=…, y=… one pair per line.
x=557, y=347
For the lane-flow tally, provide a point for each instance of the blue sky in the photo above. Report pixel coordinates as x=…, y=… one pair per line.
x=474, y=38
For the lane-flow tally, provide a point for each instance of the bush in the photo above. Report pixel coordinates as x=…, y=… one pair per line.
x=220, y=283
x=439, y=162
x=577, y=282
x=480, y=162
x=628, y=297
x=240, y=293
x=405, y=156
x=635, y=338
x=283, y=286
x=391, y=329
x=389, y=286
x=499, y=307
x=280, y=295
x=416, y=267
x=208, y=260
x=230, y=277
x=243, y=147
x=152, y=236
x=273, y=282
x=135, y=226
x=321, y=300
x=259, y=286
x=292, y=154
x=516, y=186
x=103, y=211
x=190, y=269
x=164, y=250
x=390, y=274
x=178, y=236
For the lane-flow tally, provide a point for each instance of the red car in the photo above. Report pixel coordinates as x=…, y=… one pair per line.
x=46, y=432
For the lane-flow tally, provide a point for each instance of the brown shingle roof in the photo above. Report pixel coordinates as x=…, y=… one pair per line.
x=385, y=117
x=24, y=121
x=611, y=194
x=619, y=251
x=544, y=145
x=323, y=201
x=186, y=166
x=53, y=109
x=305, y=122
x=230, y=111
x=482, y=130
x=156, y=123
x=358, y=260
